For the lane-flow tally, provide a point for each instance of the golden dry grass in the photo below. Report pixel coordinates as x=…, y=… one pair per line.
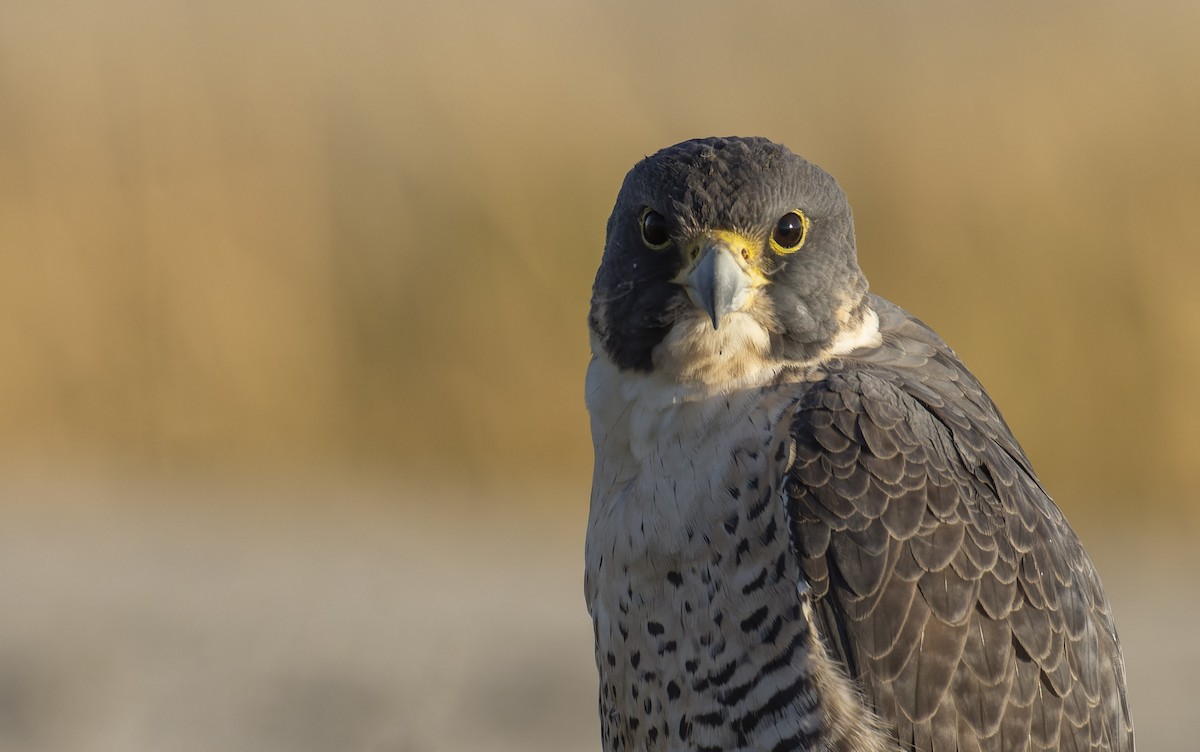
x=291, y=232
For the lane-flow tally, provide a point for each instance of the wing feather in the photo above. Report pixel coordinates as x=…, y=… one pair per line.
x=944, y=577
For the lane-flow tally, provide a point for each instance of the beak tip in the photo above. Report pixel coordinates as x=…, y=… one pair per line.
x=717, y=284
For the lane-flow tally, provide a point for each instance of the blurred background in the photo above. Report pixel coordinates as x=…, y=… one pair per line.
x=293, y=454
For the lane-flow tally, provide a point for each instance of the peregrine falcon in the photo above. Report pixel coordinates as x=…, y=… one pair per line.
x=810, y=528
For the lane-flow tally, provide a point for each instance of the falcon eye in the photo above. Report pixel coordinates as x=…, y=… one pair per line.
x=655, y=232
x=790, y=232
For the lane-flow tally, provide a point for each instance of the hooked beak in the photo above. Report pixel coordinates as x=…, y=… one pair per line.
x=717, y=283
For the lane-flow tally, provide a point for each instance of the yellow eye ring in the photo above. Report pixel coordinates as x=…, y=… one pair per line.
x=656, y=233
x=790, y=232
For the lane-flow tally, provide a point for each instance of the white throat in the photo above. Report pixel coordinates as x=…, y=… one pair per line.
x=697, y=372
x=703, y=362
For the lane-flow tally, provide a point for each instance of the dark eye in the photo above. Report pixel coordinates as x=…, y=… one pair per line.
x=655, y=232
x=789, y=232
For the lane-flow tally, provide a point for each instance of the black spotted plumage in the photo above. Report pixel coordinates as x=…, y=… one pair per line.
x=810, y=527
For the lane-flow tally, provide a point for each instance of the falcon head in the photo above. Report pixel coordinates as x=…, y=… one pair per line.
x=727, y=259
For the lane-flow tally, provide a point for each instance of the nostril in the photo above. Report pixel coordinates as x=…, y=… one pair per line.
x=745, y=255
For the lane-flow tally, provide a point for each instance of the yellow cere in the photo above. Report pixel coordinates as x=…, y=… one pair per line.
x=746, y=249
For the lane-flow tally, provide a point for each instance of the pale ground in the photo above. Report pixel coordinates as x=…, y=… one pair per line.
x=339, y=617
